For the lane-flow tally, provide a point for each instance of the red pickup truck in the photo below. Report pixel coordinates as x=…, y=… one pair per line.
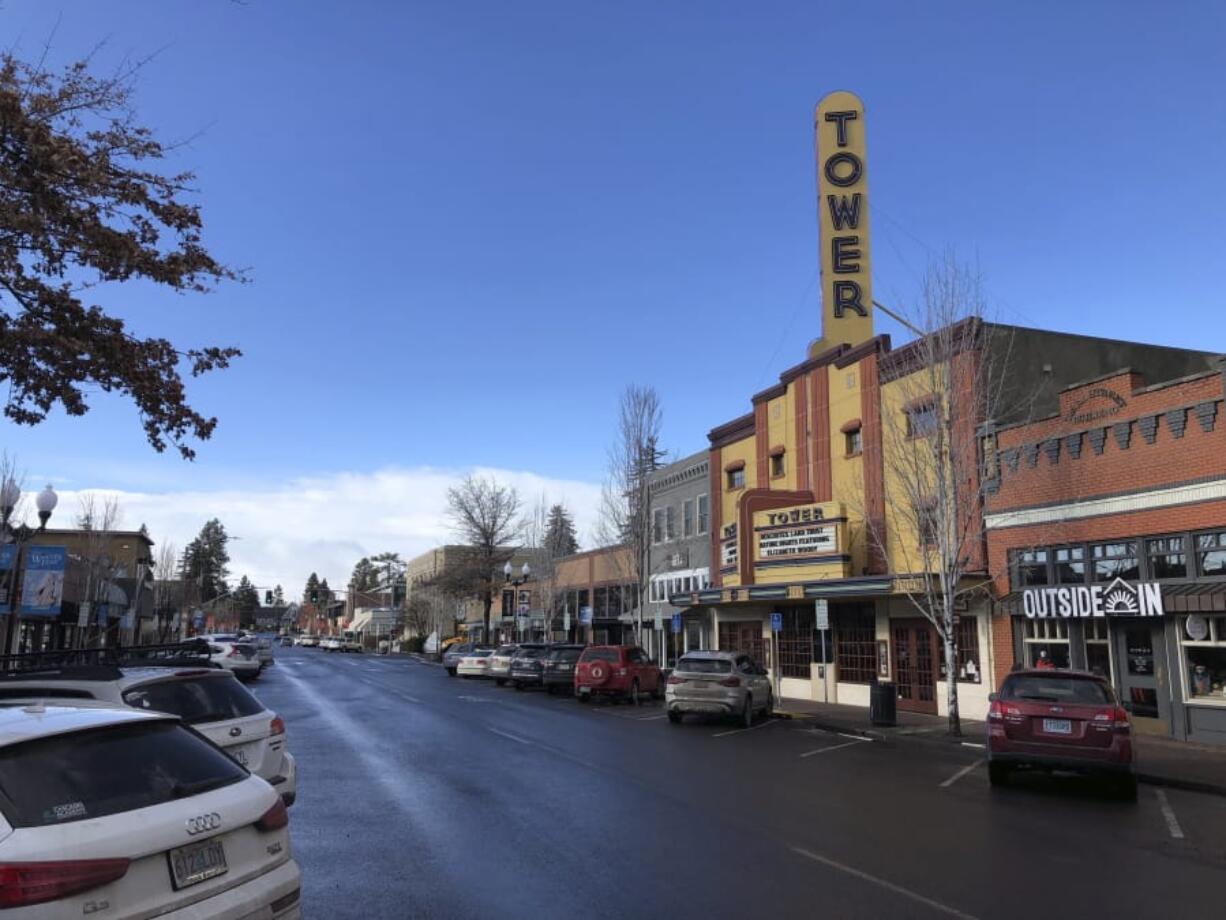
x=622, y=671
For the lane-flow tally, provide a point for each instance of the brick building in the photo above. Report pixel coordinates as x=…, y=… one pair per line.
x=1106, y=532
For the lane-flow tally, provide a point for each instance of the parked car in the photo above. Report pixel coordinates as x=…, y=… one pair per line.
x=285, y=640
x=263, y=650
x=308, y=641
x=330, y=644
x=1050, y=719
x=616, y=670
x=351, y=644
x=500, y=663
x=718, y=683
x=456, y=651
x=476, y=663
x=209, y=699
x=233, y=654
x=526, y=665
x=133, y=814
x=558, y=668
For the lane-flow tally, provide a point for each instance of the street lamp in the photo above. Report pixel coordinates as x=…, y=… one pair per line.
x=525, y=574
x=45, y=502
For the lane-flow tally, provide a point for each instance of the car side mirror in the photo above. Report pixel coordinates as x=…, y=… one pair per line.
x=993, y=697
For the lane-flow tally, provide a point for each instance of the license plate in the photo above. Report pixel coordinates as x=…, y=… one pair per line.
x=1058, y=726
x=196, y=862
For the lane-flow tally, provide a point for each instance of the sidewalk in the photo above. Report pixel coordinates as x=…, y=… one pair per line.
x=1160, y=761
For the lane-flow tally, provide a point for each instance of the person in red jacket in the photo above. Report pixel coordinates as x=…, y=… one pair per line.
x=1044, y=662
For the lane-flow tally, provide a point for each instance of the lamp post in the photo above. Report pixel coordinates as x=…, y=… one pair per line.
x=19, y=537
x=525, y=574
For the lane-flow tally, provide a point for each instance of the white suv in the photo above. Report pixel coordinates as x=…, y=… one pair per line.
x=127, y=814
x=208, y=699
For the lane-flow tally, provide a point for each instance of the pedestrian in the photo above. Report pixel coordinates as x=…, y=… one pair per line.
x=1044, y=662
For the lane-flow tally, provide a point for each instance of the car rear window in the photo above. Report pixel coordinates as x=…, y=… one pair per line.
x=196, y=700
x=704, y=665
x=507, y=650
x=105, y=771
x=601, y=654
x=531, y=653
x=567, y=654
x=1056, y=688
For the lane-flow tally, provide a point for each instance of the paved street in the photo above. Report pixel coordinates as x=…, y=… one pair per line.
x=422, y=795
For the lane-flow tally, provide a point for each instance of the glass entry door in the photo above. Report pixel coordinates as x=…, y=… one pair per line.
x=915, y=659
x=1143, y=680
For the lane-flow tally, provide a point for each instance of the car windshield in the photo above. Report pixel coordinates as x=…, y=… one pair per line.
x=530, y=653
x=105, y=771
x=196, y=700
x=507, y=650
x=705, y=665
x=566, y=654
x=600, y=654
x=1056, y=688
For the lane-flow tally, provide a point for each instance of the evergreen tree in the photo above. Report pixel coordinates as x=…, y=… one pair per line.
x=560, y=537
x=246, y=602
x=365, y=576
x=205, y=561
x=312, y=584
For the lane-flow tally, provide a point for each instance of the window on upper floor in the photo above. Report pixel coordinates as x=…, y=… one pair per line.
x=704, y=513
x=921, y=419
x=777, y=467
x=657, y=525
x=670, y=523
x=736, y=479
x=1070, y=564
x=1211, y=553
x=687, y=518
x=1115, y=560
x=854, y=442
x=1030, y=568
x=1167, y=557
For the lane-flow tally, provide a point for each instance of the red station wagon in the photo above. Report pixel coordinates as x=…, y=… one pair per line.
x=1059, y=720
x=623, y=671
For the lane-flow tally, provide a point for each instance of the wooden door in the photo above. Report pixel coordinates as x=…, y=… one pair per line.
x=744, y=636
x=915, y=659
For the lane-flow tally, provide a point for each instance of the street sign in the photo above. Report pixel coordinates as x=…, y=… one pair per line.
x=776, y=621
x=659, y=620
x=585, y=616
x=822, y=608
x=566, y=621
x=676, y=623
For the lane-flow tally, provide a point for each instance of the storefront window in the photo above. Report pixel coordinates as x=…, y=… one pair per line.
x=1070, y=565
x=967, y=651
x=796, y=643
x=1098, y=649
x=1046, y=643
x=1204, y=652
x=1211, y=553
x=1030, y=568
x=856, y=641
x=1167, y=558
x=1115, y=560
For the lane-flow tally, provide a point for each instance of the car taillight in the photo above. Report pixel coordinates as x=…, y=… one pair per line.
x=275, y=818
x=996, y=712
x=24, y=883
x=1122, y=723
x=674, y=679
x=621, y=672
x=277, y=726
x=233, y=653
x=730, y=682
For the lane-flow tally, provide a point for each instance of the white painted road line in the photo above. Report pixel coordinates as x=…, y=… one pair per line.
x=1172, y=823
x=961, y=773
x=508, y=735
x=737, y=731
x=973, y=744
x=651, y=718
x=882, y=883
x=834, y=747
x=853, y=737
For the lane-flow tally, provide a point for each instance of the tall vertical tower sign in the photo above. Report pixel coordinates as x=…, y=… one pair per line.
x=842, y=204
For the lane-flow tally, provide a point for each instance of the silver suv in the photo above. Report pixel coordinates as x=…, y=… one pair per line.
x=718, y=683
x=208, y=698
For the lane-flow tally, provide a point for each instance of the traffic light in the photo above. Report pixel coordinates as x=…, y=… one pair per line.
x=267, y=598
x=314, y=596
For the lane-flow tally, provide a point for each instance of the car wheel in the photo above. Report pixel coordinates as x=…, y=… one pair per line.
x=769, y=709
x=583, y=697
x=517, y=685
x=633, y=697
x=451, y=672
x=998, y=774
x=674, y=717
x=747, y=711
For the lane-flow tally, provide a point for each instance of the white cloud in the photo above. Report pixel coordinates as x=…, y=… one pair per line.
x=324, y=523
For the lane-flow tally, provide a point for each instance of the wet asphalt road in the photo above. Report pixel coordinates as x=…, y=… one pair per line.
x=421, y=795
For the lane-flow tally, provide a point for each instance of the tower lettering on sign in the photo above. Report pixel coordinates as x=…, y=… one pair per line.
x=842, y=185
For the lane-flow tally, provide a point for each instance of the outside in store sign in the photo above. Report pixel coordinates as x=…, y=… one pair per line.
x=1117, y=599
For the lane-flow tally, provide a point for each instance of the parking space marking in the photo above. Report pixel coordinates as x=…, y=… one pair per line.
x=974, y=744
x=1172, y=823
x=508, y=735
x=737, y=731
x=835, y=747
x=961, y=773
x=882, y=883
x=651, y=718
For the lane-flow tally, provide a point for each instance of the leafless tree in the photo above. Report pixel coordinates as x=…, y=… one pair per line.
x=167, y=587
x=484, y=515
x=544, y=553
x=951, y=379
x=98, y=516
x=625, y=500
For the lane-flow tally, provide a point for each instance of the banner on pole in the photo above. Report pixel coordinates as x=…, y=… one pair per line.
x=42, y=588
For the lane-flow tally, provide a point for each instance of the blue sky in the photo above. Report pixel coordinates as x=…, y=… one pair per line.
x=470, y=224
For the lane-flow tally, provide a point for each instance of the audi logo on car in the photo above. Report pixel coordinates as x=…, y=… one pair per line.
x=202, y=823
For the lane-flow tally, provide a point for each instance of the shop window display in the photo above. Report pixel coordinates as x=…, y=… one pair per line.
x=1204, y=652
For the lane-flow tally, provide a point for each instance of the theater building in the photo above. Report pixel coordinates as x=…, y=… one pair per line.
x=1106, y=532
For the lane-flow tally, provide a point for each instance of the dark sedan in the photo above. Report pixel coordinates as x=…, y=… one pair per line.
x=526, y=667
x=558, y=668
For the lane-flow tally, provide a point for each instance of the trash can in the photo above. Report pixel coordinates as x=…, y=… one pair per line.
x=883, y=703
